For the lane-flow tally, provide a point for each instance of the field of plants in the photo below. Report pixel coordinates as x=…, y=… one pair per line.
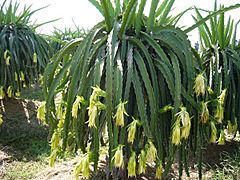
x=131, y=98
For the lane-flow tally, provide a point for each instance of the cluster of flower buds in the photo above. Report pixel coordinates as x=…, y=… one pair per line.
x=95, y=106
x=181, y=132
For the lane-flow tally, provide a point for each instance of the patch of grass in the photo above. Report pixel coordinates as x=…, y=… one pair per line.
x=229, y=168
x=26, y=162
x=23, y=170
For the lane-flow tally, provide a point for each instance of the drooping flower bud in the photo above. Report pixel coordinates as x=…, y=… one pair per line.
x=205, y=113
x=78, y=169
x=55, y=140
x=17, y=94
x=159, y=172
x=176, y=134
x=92, y=116
x=22, y=77
x=132, y=165
x=76, y=106
x=119, y=116
x=8, y=61
x=86, y=167
x=35, y=57
x=199, y=85
x=95, y=105
x=142, y=159
x=98, y=92
x=166, y=109
x=132, y=127
x=118, y=157
x=7, y=57
x=16, y=76
x=9, y=91
x=52, y=158
x=151, y=152
x=83, y=166
x=222, y=96
x=221, y=140
x=183, y=116
x=219, y=113
x=1, y=119
x=41, y=112
x=210, y=91
x=2, y=93
x=213, y=132
x=59, y=111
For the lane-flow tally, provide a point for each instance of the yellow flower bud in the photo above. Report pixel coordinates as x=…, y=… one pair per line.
x=159, y=172
x=22, y=78
x=183, y=116
x=17, y=94
x=205, y=113
x=16, y=76
x=221, y=140
x=132, y=165
x=132, y=127
x=118, y=157
x=1, y=119
x=210, y=91
x=82, y=166
x=166, y=109
x=222, y=96
x=8, y=60
x=7, y=57
x=86, y=167
x=142, y=162
x=76, y=106
x=92, y=116
x=151, y=152
x=35, y=57
x=176, y=134
x=2, y=93
x=119, y=116
x=95, y=105
x=219, y=113
x=41, y=112
x=52, y=158
x=55, y=141
x=78, y=169
x=59, y=111
x=61, y=121
x=199, y=85
x=9, y=91
x=185, y=131
x=97, y=91
x=213, y=132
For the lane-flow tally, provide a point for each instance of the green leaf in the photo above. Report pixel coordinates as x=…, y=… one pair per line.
x=210, y=16
x=152, y=13
x=139, y=16
x=127, y=16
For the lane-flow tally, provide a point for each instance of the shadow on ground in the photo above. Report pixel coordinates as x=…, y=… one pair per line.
x=21, y=134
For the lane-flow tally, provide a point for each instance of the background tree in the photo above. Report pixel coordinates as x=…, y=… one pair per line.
x=23, y=53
